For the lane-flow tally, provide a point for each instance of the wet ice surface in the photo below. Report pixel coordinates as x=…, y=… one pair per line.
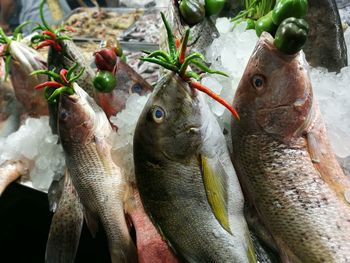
x=231, y=52
x=34, y=141
x=126, y=121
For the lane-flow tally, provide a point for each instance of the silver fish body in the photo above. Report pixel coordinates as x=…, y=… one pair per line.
x=173, y=157
x=84, y=131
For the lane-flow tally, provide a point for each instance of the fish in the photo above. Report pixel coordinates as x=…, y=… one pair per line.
x=66, y=226
x=9, y=111
x=10, y=171
x=84, y=132
x=128, y=82
x=202, y=34
x=325, y=46
x=24, y=61
x=285, y=162
x=151, y=247
x=185, y=177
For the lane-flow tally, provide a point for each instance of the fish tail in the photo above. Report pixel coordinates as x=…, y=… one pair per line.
x=66, y=226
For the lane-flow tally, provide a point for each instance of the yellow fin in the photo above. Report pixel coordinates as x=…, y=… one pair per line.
x=215, y=189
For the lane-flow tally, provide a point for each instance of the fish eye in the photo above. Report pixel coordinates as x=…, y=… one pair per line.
x=158, y=114
x=63, y=115
x=137, y=88
x=258, y=81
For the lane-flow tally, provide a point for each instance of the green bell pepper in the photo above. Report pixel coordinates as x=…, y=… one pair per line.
x=265, y=24
x=289, y=8
x=214, y=7
x=192, y=11
x=104, y=81
x=250, y=24
x=291, y=35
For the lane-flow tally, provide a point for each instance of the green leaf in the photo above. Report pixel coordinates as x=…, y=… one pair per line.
x=171, y=40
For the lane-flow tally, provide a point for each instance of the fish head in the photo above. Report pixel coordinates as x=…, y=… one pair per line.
x=275, y=93
x=80, y=120
x=169, y=125
x=128, y=82
x=24, y=61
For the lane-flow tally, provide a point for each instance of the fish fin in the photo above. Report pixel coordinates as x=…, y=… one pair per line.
x=129, y=199
x=55, y=192
x=313, y=148
x=66, y=226
x=91, y=222
x=214, y=184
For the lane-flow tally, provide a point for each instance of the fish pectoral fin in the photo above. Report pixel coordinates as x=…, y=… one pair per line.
x=214, y=183
x=91, y=222
x=313, y=148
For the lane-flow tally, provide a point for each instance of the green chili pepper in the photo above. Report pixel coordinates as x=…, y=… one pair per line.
x=192, y=11
x=104, y=81
x=214, y=7
x=291, y=35
x=289, y=8
x=250, y=24
x=265, y=24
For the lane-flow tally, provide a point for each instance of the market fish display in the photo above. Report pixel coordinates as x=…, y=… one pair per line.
x=66, y=226
x=84, y=130
x=24, y=61
x=185, y=177
x=284, y=160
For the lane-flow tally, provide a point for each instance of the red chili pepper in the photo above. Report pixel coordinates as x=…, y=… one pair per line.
x=49, y=42
x=182, y=54
x=49, y=84
x=46, y=43
x=49, y=33
x=177, y=43
x=213, y=95
x=63, y=74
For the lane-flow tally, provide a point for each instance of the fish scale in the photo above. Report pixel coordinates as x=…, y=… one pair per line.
x=293, y=198
x=189, y=192
x=66, y=227
x=101, y=187
x=97, y=186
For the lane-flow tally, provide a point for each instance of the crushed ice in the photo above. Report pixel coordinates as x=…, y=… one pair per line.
x=126, y=120
x=34, y=141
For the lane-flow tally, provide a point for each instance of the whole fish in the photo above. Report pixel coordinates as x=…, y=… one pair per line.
x=285, y=162
x=128, y=82
x=24, y=61
x=84, y=130
x=186, y=180
x=66, y=226
x=326, y=45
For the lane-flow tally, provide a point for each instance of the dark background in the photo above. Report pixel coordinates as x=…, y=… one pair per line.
x=24, y=227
